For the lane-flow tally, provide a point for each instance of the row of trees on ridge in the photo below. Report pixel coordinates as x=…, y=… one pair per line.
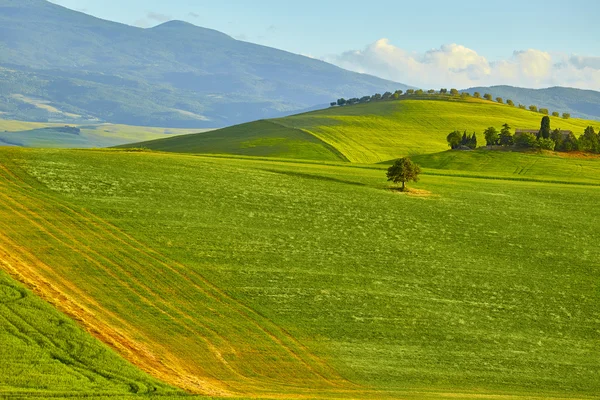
x=443, y=92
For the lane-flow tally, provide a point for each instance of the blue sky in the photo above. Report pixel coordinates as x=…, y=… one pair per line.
x=337, y=30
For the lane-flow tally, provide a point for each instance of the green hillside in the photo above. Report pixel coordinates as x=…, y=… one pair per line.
x=371, y=133
x=46, y=353
x=283, y=279
x=548, y=166
x=265, y=138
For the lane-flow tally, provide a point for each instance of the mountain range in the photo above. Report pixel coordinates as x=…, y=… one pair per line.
x=62, y=65
x=579, y=103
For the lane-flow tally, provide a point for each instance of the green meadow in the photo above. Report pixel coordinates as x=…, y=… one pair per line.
x=45, y=353
x=275, y=278
x=260, y=138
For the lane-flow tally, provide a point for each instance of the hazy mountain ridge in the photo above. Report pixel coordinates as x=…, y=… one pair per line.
x=579, y=103
x=175, y=74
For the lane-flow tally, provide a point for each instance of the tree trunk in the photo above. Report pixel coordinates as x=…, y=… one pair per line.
x=403, y=186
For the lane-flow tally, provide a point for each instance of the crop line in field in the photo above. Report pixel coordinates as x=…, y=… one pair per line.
x=139, y=247
x=76, y=365
x=221, y=297
x=211, y=346
x=106, y=333
x=110, y=272
x=22, y=272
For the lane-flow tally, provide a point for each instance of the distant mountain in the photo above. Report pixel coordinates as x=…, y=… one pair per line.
x=579, y=103
x=59, y=64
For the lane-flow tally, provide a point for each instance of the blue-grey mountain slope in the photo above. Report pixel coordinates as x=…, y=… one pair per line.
x=59, y=64
x=579, y=103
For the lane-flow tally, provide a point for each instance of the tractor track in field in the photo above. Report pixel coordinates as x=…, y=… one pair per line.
x=132, y=251
x=126, y=279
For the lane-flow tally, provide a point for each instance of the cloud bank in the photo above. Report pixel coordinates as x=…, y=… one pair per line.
x=453, y=65
x=151, y=18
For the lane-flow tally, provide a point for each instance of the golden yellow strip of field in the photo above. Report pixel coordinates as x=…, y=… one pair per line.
x=161, y=316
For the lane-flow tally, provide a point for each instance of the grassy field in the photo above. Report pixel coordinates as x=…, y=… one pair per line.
x=37, y=134
x=548, y=166
x=330, y=285
x=376, y=132
x=46, y=353
x=266, y=138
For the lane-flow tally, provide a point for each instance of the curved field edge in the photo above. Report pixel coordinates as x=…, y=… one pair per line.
x=46, y=353
x=233, y=349
x=264, y=138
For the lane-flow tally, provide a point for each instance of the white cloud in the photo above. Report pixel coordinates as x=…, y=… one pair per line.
x=453, y=65
x=153, y=16
x=150, y=19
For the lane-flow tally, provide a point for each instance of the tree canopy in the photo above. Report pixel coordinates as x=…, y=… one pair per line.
x=403, y=170
x=454, y=140
x=491, y=136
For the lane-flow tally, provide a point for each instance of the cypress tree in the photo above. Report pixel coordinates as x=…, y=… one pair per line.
x=473, y=141
x=545, y=129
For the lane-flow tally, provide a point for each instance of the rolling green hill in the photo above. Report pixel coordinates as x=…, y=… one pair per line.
x=371, y=133
x=548, y=166
x=285, y=279
x=265, y=138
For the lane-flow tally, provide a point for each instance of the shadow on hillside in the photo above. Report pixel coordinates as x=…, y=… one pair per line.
x=314, y=177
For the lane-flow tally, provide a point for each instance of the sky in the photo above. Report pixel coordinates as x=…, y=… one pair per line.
x=425, y=43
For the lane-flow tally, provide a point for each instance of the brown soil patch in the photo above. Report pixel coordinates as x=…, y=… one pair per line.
x=578, y=155
x=414, y=192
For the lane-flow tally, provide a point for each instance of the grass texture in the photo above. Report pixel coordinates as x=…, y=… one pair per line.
x=330, y=285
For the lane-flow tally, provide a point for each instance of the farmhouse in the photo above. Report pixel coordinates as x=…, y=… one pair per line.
x=519, y=132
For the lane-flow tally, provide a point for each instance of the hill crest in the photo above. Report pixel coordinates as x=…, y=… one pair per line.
x=368, y=133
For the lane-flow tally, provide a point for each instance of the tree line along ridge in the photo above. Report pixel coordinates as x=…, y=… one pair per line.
x=398, y=94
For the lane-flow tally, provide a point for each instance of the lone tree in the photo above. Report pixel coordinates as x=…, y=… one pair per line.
x=403, y=170
x=545, y=130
